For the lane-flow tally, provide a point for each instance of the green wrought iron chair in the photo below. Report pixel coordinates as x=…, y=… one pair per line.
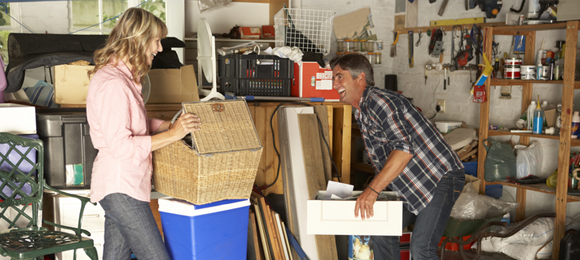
x=21, y=190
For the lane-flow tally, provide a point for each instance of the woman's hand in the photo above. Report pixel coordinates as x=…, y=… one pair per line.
x=185, y=124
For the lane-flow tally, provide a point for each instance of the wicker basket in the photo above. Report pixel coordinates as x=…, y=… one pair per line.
x=223, y=162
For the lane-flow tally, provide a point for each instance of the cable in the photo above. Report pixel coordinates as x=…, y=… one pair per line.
x=276, y=149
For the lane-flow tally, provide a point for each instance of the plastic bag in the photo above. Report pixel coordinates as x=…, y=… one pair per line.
x=500, y=162
x=528, y=160
x=471, y=205
x=204, y=5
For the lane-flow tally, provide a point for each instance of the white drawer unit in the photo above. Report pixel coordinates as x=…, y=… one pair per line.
x=66, y=212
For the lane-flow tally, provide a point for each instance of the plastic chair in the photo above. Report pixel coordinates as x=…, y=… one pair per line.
x=21, y=190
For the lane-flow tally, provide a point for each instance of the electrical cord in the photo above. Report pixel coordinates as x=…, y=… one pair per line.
x=278, y=153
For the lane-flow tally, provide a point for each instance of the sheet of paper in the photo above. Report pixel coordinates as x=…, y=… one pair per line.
x=341, y=190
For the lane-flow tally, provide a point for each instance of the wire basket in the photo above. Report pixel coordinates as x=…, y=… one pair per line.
x=308, y=30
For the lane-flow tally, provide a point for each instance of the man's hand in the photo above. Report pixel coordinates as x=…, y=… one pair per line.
x=365, y=203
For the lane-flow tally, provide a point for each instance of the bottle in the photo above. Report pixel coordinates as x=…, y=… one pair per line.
x=558, y=119
x=558, y=53
x=538, y=120
x=539, y=71
x=575, y=124
x=530, y=116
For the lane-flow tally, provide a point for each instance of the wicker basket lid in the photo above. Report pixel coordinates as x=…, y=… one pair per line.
x=226, y=126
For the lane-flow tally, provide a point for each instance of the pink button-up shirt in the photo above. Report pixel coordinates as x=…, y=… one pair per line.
x=120, y=130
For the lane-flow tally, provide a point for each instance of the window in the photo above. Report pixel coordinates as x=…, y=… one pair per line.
x=95, y=16
x=7, y=25
x=100, y=16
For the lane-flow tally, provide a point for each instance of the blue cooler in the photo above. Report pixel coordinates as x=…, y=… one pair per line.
x=216, y=230
x=494, y=191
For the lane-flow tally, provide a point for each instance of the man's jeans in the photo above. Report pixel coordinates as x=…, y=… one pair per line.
x=429, y=224
x=130, y=227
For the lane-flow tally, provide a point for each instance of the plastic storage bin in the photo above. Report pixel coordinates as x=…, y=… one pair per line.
x=217, y=230
x=255, y=75
x=69, y=153
x=493, y=191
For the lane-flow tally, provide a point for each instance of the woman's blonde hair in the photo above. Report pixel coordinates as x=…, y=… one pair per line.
x=130, y=39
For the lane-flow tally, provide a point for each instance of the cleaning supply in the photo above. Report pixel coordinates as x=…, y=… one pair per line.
x=530, y=117
x=575, y=125
x=538, y=120
x=539, y=71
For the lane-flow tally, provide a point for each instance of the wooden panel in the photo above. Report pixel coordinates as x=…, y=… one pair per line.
x=275, y=6
x=154, y=205
x=315, y=180
x=322, y=114
x=564, y=150
x=484, y=114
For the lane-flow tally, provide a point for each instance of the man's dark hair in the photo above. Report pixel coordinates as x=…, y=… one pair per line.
x=355, y=64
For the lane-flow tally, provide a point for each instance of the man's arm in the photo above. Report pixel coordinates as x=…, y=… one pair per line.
x=396, y=162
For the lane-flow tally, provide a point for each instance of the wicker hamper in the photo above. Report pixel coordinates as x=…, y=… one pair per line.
x=222, y=163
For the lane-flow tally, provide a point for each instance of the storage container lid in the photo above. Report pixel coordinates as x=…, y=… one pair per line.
x=226, y=126
x=184, y=208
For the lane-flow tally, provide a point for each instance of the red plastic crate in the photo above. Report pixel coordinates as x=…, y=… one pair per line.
x=455, y=246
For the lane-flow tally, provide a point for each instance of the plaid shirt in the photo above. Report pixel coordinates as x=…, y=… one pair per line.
x=388, y=121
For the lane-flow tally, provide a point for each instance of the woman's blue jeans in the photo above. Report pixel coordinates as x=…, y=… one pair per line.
x=130, y=227
x=430, y=223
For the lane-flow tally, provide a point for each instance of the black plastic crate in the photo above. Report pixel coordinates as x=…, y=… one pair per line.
x=256, y=87
x=256, y=75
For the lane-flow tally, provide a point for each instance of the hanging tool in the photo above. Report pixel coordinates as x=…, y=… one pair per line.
x=394, y=44
x=411, y=59
x=419, y=40
x=436, y=43
x=519, y=10
x=428, y=67
x=490, y=7
x=445, y=77
x=442, y=8
x=453, y=63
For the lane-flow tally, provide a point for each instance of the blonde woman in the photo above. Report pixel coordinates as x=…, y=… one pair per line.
x=121, y=131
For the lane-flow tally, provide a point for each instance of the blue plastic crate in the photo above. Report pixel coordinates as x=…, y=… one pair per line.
x=216, y=230
x=493, y=191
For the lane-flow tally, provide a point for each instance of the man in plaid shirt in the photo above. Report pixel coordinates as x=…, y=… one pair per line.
x=408, y=155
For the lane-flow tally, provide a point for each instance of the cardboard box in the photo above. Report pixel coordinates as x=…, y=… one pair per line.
x=336, y=217
x=17, y=119
x=71, y=84
x=550, y=117
x=173, y=85
x=250, y=32
x=268, y=32
x=313, y=81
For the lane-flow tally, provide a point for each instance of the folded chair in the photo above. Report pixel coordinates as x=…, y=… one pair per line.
x=22, y=235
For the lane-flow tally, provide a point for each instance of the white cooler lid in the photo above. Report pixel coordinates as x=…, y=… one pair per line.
x=181, y=207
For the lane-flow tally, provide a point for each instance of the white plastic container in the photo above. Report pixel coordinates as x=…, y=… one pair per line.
x=446, y=126
x=528, y=72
